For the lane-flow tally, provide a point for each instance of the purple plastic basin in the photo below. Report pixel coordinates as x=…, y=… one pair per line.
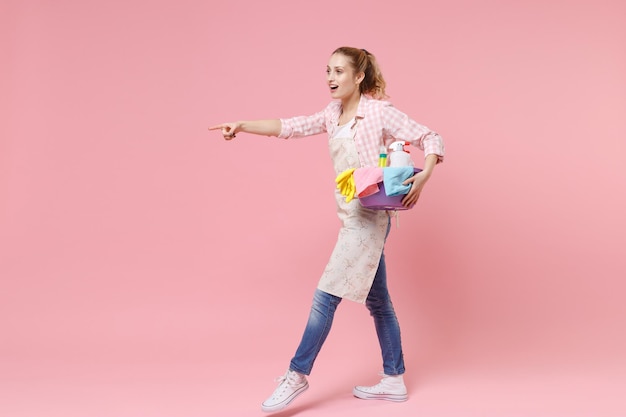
x=381, y=201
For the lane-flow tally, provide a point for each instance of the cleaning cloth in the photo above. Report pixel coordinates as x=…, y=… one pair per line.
x=393, y=177
x=366, y=180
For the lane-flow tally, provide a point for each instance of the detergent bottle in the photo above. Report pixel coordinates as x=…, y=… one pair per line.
x=382, y=157
x=399, y=157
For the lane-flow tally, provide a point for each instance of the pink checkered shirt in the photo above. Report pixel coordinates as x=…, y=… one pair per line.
x=377, y=123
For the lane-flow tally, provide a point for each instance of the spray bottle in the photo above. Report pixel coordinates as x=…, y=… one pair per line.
x=399, y=157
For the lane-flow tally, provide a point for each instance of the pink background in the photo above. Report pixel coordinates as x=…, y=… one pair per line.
x=149, y=268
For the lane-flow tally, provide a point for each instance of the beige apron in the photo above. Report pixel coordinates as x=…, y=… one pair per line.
x=354, y=261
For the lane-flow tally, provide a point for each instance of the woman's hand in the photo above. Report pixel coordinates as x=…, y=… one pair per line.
x=229, y=130
x=418, y=181
x=269, y=127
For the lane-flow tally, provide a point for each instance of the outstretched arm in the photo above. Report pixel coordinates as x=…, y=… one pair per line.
x=270, y=127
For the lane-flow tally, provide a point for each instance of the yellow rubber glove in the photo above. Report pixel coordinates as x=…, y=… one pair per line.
x=343, y=179
x=346, y=185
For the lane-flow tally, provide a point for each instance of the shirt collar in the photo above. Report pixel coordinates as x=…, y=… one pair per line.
x=361, y=109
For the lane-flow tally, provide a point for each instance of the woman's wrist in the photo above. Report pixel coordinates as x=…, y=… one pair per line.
x=429, y=165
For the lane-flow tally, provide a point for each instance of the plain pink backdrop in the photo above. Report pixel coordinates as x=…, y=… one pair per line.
x=149, y=268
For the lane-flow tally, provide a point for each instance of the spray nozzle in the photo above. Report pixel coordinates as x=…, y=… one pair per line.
x=398, y=146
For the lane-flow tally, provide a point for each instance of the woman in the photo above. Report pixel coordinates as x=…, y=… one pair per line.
x=358, y=122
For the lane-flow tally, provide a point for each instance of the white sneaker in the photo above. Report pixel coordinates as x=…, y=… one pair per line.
x=390, y=388
x=290, y=386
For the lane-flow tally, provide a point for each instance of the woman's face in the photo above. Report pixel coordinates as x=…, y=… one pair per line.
x=342, y=80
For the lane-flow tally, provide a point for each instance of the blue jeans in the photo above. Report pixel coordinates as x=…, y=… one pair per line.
x=321, y=319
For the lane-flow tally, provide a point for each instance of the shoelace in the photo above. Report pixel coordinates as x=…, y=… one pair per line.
x=383, y=376
x=287, y=377
x=381, y=382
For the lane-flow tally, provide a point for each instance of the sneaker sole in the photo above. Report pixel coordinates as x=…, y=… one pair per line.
x=280, y=406
x=387, y=397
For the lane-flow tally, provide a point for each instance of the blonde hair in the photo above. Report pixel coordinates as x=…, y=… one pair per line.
x=373, y=83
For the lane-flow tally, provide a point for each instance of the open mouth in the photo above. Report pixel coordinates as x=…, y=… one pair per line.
x=333, y=87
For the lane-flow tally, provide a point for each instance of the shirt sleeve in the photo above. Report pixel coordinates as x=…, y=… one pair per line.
x=300, y=126
x=401, y=127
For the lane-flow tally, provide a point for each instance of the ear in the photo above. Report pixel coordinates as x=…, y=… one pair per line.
x=360, y=77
